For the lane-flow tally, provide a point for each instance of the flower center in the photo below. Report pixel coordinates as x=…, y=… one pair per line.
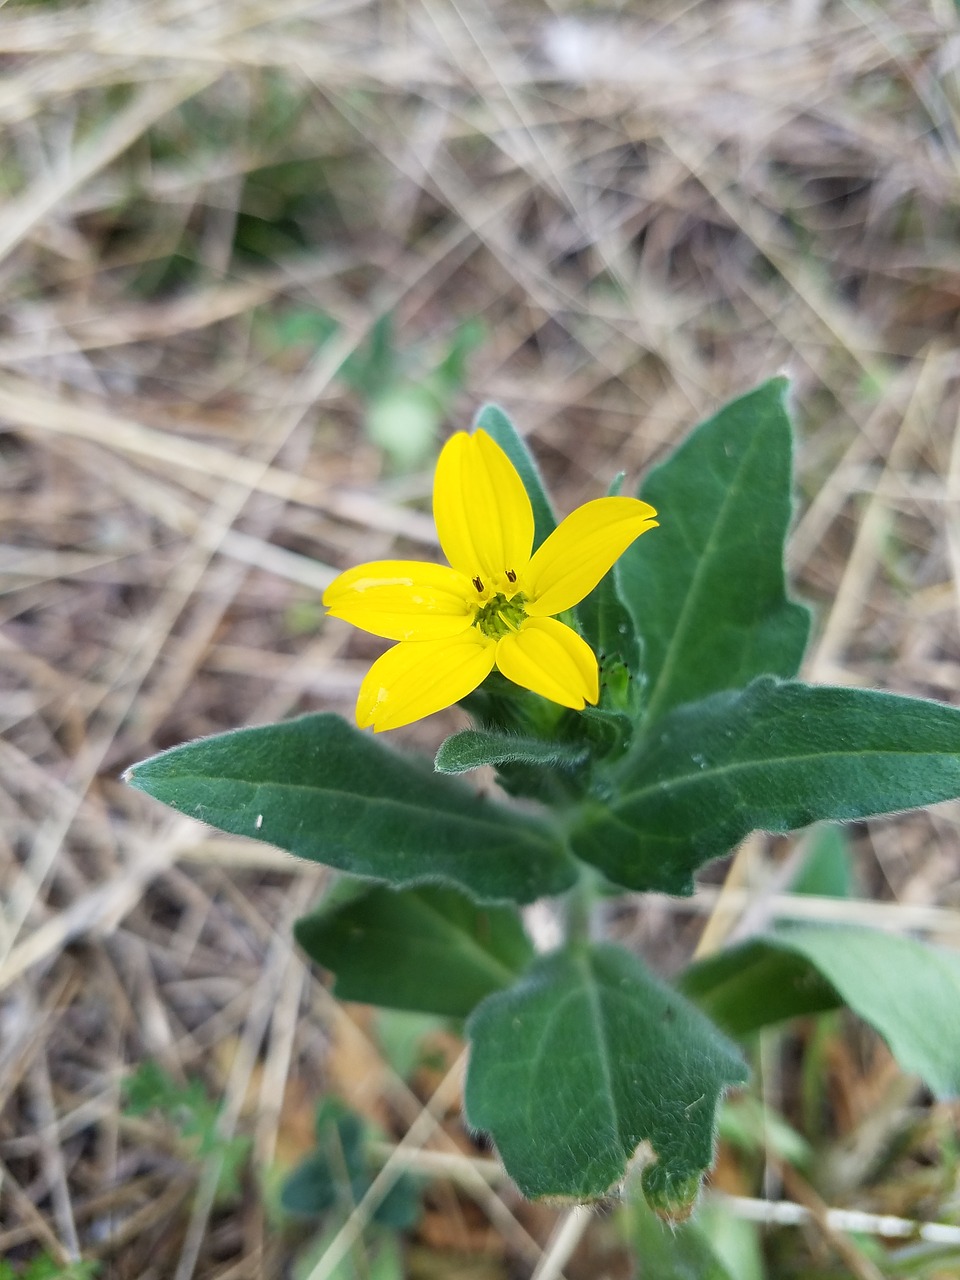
x=499, y=616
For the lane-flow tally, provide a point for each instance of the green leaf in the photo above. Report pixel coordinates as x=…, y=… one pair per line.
x=504, y=710
x=196, y=1116
x=670, y=1251
x=732, y=1239
x=379, y=1256
x=475, y=747
x=371, y=369
x=608, y=627
x=400, y=1208
x=706, y=589
x=323, y=790
x=43, y=1267
x=337, y=1174
x=335, y=1171
x=403, y=1038
x=311, y=1189
x=492, y=419
x=450, y=376
x=403, y=421
x=908, y=992
x=610, y=732
x=772, y=757
x=755, y=1128
x=827, y=869
x=429, y=949
x=584, y=1059
x=757, y=984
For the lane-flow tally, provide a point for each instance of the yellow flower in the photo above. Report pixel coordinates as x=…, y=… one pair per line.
x=494, y=603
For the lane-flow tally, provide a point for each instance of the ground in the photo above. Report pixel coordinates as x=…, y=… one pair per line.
x=257, y=259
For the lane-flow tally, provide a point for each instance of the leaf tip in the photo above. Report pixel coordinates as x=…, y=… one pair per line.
x=488, y=407
x=132, y=777
x=672, y=1200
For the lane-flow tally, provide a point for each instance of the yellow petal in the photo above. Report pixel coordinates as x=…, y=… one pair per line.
x=482, y=512
x=415, y=679
x=402, y=599
x=552, y=660
x=570, y=563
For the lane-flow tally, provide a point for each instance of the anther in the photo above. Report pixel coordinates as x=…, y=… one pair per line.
x=478, y=584
x=511, y=576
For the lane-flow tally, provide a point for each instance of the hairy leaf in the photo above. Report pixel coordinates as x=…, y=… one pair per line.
x=608, y=628
x=908, y=992
x=428, y=949
x=475, y=747
x=584, y=1059
x=707, y=589
x=773, y=757
x=322, y=790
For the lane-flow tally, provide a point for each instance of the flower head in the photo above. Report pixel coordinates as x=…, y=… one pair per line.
x=495, y=603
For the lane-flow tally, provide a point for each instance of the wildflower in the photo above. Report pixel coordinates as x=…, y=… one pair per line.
x=494, y=603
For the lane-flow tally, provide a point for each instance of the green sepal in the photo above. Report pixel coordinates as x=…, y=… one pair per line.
x=430, y=950
x=325, y=791
x=492, y=419
x=706, y=589
x=608, y=731
x=473, y=748
x=584, y=1059
x=502, y=708
x=772, y=757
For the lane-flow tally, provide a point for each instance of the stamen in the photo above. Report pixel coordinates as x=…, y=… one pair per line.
x=511, y=576
x=499, y=616
x=478, y=584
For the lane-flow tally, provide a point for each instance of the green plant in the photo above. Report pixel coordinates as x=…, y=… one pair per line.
x=43, y=1267
x=331, y=1181
x=687, y=731
x=405, y=392
x=195, y=1116
x=336, y=1175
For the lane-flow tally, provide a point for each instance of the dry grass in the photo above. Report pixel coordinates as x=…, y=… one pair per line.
x=650, y=209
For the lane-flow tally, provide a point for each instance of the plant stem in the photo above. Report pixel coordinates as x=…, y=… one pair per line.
x=580, y=918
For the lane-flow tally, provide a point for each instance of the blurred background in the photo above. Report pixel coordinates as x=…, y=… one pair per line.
x=257, y=260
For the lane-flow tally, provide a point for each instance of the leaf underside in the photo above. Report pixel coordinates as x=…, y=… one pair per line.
x=805, y=969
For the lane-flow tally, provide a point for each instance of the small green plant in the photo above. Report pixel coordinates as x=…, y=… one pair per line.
x=404, y=399
x=405, y=393
x=43, y=1267
x=336, y=1175
x=640, y=695
x=195, y=1116
x=332, y=1180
